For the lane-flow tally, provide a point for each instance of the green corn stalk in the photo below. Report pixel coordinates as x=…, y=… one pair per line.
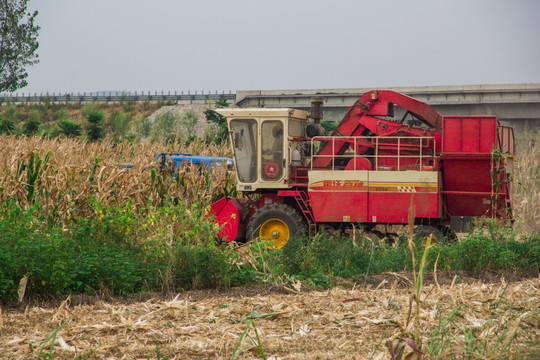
x=34, y=169
x=95, y=167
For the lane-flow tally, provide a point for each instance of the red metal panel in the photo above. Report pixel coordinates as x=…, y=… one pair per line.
x=386, y=207
x=467, y=174
x=380, y=197
x=451, y=135
x=488, y=134
x=391, y=192
x=468, y=205
x=469, y=134
x=470, y=131
x=339, y=206
x=468, y=142
x=269, y=198
x=338, y=196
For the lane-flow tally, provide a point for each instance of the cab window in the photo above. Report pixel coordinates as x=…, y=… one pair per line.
x=244, y=140
x=272, y=141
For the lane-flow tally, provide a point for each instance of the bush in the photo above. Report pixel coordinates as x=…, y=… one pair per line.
x=6, y=126
x=119, y=123
x=476, y=252
x=143, y=128
x=200, y=267
x=61, y=114
x=130, y=248
x=164, y=127
x=11, y=114
x=128, y=106
x=188, y=126
x=324, y=257
x=94, y=130
x=58, y=262
x=329, y=126
x=31, y=127
x=69, y=128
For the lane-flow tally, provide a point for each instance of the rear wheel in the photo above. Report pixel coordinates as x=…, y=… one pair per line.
x=448, y=233
x=423, y=231
x=274, y=224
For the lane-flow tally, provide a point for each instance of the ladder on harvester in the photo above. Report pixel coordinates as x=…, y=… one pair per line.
x=303, y=204
x=500, y=187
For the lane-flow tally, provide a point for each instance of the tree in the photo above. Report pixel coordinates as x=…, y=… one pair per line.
x=31, y=127
x=95, y=125
x=18, y=43
x=6, y=126
x=69, y=128
x=222, y=132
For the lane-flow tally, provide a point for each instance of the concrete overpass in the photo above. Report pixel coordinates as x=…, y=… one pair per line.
x=517, y=105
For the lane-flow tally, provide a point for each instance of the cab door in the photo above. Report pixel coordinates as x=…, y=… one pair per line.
x=272, y=158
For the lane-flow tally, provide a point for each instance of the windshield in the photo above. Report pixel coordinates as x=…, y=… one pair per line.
x=244, y=140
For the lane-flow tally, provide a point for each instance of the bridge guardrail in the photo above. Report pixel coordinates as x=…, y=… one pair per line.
x=67, y=98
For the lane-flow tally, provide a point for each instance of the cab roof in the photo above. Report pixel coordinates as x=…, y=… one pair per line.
x=262, y=112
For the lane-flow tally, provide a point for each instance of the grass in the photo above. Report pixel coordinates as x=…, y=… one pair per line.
x=128, y=249
x=120, y=250
x=52, y=339
x=256, y=340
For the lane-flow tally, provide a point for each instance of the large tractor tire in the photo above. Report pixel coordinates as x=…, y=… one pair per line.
x=274, y=224
x=423, y=231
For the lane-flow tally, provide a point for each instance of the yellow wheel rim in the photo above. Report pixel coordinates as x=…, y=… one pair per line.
x=275, y=232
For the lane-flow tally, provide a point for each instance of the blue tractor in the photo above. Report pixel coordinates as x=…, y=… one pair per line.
x=174, y=161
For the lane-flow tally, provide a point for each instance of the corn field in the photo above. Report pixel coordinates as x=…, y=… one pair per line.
x=62, y=176
x=526, y=186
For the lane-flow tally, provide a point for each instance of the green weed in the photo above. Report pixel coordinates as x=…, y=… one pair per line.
x=256, y=340
x=52, y=339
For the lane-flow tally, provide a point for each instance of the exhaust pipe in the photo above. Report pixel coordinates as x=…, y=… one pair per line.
x=316, y=129
x=317, y=109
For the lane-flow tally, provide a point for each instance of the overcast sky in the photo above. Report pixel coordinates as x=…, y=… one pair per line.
x=162, y=45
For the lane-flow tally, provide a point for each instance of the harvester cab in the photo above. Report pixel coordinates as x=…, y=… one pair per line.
x=265, y=144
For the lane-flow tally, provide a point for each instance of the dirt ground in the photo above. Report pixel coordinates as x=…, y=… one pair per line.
x=459, y=315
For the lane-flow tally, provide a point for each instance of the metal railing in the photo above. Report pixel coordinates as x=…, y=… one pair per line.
x=505, y=137
x=116, y=97
x=421, y=148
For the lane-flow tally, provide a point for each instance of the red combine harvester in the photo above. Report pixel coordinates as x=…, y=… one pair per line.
x=369, y=173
